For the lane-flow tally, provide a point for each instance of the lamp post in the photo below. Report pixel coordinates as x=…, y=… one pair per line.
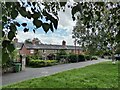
x=75, y=48
x=75, y=44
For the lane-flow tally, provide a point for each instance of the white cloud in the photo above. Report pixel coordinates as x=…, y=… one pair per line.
x=64, y=31
x=45, y=38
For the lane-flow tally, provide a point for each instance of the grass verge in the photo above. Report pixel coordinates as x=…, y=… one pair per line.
x=101, y=75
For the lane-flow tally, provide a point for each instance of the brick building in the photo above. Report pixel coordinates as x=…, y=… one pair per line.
x=32, y=48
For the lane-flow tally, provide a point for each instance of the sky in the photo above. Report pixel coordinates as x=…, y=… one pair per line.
x=64, y=31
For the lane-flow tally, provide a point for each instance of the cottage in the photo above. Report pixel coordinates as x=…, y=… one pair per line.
x=32, y=48
x=29, y=49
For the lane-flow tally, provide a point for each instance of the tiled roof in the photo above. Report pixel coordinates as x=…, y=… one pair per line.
x=18, y=45
x=50, y=47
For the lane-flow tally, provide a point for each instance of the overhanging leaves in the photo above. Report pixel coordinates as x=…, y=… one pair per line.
x=13, y=27
x=4, y=18
x=3, y=33
x=55, y=22
x=51, y=27
x=23, y=11
x=11, y=48
x=17, y=24
x=14, y=14
x=24, y=24
x=37, y=23
x=5, y=57
x=46, y=27
x=26, y=29
x=63, y=3
x=5, y=43
x=36, y=15
x=11, y=35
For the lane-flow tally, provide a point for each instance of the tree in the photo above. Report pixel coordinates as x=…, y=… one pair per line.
x=36, y=40
x=48, y=11
x=99, y=28
x=29, y=10
x=28, y=41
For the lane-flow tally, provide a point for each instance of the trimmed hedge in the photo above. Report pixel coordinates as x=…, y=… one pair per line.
x=42, y=63
x=81, y=58
x=94, y=58
x=88, y=57
x=74, y=58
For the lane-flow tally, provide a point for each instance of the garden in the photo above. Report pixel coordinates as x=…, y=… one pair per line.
x=59, y=58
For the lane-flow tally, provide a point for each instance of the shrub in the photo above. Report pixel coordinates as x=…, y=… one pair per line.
x=94, y=58
x=72, y=58
x=32, y=57
x=61, y=54
x=42, y=63
x=88, y=57
x=81, y=57
x=51, y=56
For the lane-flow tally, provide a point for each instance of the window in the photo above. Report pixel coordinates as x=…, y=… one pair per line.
x=31, y=51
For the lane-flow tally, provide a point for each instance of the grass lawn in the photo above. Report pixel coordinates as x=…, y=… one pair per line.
x=101, y=75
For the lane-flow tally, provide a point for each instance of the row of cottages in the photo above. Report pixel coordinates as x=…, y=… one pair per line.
x=32, y=48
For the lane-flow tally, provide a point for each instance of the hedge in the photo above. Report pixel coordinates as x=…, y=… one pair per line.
x=42, y=63
x=74, y=58
x=94, y=58
x=88, y=57
x=81, y=57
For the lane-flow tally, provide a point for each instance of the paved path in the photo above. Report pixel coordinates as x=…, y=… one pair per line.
x=29, y=73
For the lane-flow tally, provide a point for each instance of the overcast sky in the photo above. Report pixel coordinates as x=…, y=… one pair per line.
x=64, y=31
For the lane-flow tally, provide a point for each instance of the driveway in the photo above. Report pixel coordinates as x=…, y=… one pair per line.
x=30, y=73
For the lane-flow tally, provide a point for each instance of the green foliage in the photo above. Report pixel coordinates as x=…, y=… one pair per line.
x=10, y=48
x=46, y=27
x=6, y=50
x=102, y=21
x=37, y=23
x=88, y=57
x=102, y=75
x=61, y=54
x=76, y=58
x=15, y=55
x=100, y=15
x=14, y=13
x=94, y=58
x=42, y=63
x=11, y=35
x=72, y=58
x=81, y=57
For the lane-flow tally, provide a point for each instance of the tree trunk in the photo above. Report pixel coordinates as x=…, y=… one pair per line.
x=113, y=57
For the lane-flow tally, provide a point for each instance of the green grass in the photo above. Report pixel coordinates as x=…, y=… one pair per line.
x=101, y=75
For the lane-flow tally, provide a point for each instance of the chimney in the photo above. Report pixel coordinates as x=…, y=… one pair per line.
x=63, y=43
x=16, y=40
x=33, y=41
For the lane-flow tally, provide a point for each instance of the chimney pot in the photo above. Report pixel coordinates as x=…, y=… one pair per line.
x=64, y=43
x=33, y=41
x=16, y=40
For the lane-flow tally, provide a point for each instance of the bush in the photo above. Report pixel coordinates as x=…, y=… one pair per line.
x=81, y=58
x=32, y=57
x=42, y=63
x=72, y=58
x=94, y=58
x=61, y=54
x=51, y=56
x=88, y=57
